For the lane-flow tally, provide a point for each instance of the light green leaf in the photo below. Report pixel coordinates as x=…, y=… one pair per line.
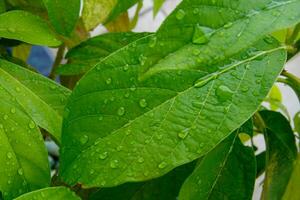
x=292, y=191
x=26, y=27
x=167, y=119
x=63, y=15
x=100, y=11
x=23, y=158
x=21, y=52
x=53, y=193
x=297, y=122
x=84, y=56
x=165, y=187
x=45, y=99
x=281, y=154
x=157, y=4
x=227, y=172
x=275, y=96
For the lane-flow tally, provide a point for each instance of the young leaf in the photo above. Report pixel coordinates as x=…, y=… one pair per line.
x=26, y=27
x=63, y=15
x=57, y=193
x=99, y=11
x=84, y=56
x=44, y=109
x=227, y=172
x=165, y=187
x=167, y=119
x=23, y=158
x=281, y=154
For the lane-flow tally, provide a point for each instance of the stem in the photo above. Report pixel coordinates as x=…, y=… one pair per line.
x=58, y=59
x=294, y=35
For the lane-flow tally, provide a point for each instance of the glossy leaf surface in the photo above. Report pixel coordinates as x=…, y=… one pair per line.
x=281, y=154
x=164, y=117
x=227, y=172
x=53, y=193
x=84, y=56
x=63, y=14
x=45, y=99
x=14, y=25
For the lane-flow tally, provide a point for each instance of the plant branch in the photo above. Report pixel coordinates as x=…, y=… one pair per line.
x=58, y=59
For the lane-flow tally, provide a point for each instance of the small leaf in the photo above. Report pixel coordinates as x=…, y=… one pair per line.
x=165, y=187
x=53, y=193
x=227, y=172
x=22, y=52
x=15, y=25
x=275, y=96
x=44, y=109
x=281, y=154
x=157, y=4
x=63, y=15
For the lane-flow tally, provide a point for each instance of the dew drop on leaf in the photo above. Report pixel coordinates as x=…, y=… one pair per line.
x=201, y=34
x=20, y=172
x=108, y=81
x=84, y=139
x=143, y=103
x=5, y=117
x=9, y=155
x=180, y=14
x=114, y=164
x=126, y=67
x=103, y=155
x=13, y=110
x=183, y=134
x=162, y=165
x=31, y=125
x=152, y=42
x=141, y=160
x=121, y=111
x=224, y=93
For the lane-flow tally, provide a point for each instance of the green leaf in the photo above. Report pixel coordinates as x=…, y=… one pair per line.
x=23, y=158
x=84, y=56
x=2, y=7
x=292, y=191
x=100, y=11
x=63, y=15
x=167, y=119
x=166, y=187
x=281, y=154
x=45, y=99
x=15, y=25
x=157, y=4
x=260, y=163
x=22, y=52
x=297, y=122
x=227, y=172
x=275, y=96
x=34, y=6
x=53, y=193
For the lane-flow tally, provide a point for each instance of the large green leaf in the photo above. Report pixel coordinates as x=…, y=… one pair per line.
x=45, y=99
x=63, y=14
x=53, y=193
x=23, y=157
x=281, y=154
x=100, y=11
x=2, y=7
x=84, y=56
x=227, y=172
x=292, y=190
x=166, y=187
x=166, y=119
x=26, y=27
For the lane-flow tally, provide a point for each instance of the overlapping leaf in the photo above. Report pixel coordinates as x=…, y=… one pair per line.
x=56, y=193
x=26, y=27
x=84, y=56
x=281, y=154
x=42, y=99
x=227, y=172
x=292, y=190
x=63, y=14
x=23, y=157
x=146, y=105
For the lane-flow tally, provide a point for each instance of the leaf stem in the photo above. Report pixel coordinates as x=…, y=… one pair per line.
x=58, y=59
x=291, y=40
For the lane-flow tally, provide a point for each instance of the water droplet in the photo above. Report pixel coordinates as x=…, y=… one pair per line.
x=228, y=25
x=100, y=118
x=183, y=134
x=103, y=155
x=108, y=81
x=141, y=160
x=20, y=172
x=11, y=29
x=201, y=34
x=5, y=117
x=114, y=164
x=152, y=42
x=224, y=93
x=119, y=148
x=143, y=103
x=13, y=110
x=121, y=111
x=31, y=125
x=196, y=10
x=126, y=67
x=196, y=52
x=180, y=14
x=126, y=95
x=9, y=155
x=92, y=171
x=142, y=59
x=84, y=139
x=162, y=165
